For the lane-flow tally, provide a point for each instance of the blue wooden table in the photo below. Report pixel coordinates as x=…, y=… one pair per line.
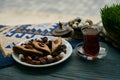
x=74, y=68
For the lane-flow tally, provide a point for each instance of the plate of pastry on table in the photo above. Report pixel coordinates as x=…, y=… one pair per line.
x=42, y=52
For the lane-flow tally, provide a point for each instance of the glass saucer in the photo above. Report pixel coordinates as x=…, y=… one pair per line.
x=102, y=53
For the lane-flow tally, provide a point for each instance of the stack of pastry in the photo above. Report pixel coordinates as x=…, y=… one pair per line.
x=41, y=51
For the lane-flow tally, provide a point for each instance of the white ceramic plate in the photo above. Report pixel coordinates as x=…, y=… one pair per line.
x=67, y=55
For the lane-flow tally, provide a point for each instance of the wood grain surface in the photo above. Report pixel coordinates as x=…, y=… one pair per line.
x=73, y=68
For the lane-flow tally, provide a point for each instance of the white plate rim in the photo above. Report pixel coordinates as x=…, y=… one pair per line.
x=67, y=55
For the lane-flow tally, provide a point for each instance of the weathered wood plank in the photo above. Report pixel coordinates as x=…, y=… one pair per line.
x=72, y=69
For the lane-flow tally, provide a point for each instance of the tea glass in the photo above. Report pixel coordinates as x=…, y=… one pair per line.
x=91, y=41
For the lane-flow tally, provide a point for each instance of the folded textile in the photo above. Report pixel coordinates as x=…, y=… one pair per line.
x=6, y=44
x=5, y=61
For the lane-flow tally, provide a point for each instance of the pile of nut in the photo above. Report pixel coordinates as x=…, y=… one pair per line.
x=78, y=23
x=39, y=59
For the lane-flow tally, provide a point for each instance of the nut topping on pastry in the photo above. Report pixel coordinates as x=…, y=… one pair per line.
x=27, y=51
x=42, y=47
x=56, y=44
